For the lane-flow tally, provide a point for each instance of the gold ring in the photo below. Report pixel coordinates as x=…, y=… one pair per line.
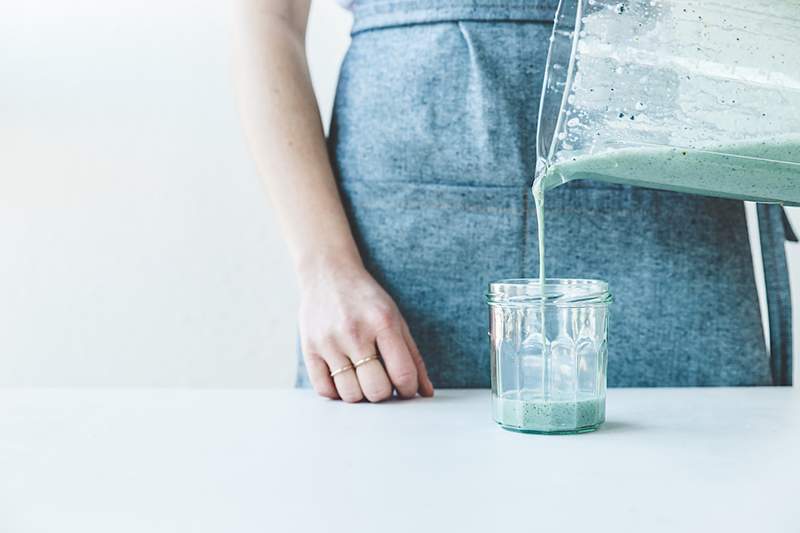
x=366, y=360
x=343, y=369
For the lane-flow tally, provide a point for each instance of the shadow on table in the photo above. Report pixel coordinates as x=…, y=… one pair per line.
x=620, y=426
x=441, y=396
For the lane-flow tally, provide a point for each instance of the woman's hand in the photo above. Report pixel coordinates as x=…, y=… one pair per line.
x=345, y=316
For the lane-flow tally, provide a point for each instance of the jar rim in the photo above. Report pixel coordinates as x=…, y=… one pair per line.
x=557, y=292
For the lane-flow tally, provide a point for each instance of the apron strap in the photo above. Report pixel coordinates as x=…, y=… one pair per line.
x=774, y=229
x=791, y=236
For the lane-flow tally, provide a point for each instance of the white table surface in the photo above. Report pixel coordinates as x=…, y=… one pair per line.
x=244, y=461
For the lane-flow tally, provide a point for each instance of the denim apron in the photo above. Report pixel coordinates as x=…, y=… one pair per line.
x=433, y=142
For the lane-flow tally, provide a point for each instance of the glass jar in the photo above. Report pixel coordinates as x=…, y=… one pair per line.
x=549, y=352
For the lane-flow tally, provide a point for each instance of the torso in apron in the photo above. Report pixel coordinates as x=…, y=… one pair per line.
x=433, y=142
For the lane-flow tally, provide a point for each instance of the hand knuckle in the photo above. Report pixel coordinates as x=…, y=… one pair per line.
x=405, y=378
x=384, y=317
x=315, y=365
x=325, y=392
x=322, y=388
x=349, y=327
x=351, y=396
x=325, y=337
x=377, y=392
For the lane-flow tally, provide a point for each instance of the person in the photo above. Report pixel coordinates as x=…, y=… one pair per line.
x=421, y=196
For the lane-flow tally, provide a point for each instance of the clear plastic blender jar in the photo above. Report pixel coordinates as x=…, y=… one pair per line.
x=695, y=96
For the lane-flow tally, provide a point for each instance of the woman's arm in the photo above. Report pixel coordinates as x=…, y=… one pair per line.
x=345, y=315
x=285, y=132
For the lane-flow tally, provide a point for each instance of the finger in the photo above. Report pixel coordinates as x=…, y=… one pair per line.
x=399, y=363
x=425, y=384
x=320, y=376
x=346, y=382
x=371, y=375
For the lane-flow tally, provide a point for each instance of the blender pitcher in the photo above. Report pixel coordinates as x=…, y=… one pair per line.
x=697, y=96
x=549, y=352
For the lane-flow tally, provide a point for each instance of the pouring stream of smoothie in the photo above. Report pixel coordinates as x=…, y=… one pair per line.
x=538, y=199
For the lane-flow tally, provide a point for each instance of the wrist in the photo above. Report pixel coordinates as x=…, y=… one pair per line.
x=327, y=263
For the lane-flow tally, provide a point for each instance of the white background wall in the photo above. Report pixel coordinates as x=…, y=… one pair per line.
x=136, y=245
